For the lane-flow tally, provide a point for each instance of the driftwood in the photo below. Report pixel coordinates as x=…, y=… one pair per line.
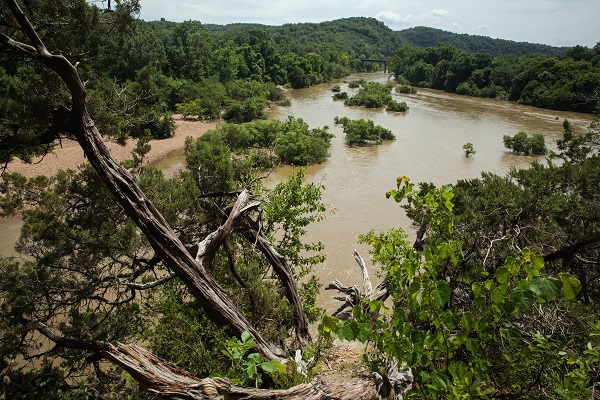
x=353, y=294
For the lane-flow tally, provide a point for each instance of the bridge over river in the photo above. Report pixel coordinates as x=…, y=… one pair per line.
x=381, y=61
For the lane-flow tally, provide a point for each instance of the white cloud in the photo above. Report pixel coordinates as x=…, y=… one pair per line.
x=393, y=18
x=439, y=13
x=437, y=18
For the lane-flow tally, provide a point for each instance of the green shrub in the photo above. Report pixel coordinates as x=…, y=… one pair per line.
x=395, y=106
x=522, y=143
x=363, y=131
x=371, y=95
x=340, y=96
x=407, y=89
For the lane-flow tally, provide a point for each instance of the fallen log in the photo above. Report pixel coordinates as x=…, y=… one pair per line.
x=168, y=381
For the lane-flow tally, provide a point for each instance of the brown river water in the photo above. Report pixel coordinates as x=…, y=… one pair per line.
x=428, y=147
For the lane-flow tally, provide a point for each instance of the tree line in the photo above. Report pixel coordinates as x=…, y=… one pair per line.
x=568, y=82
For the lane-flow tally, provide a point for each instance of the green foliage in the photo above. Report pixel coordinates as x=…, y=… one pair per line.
x=577, y=148
x=407, y=89
x=371, y=95
x=466, y=336
x=248, y=110
x=340, y=96
x=291, y=206
x=427, y=37
x=251, y=366
x=560, y=83
x=179, y=330
x=296, y=144
x=397, y=106
x=469, y=150
x=266, y=143
x=199, y=108
x=93, y=305
x=522, y=143
x=336, y=89
x=362, y=132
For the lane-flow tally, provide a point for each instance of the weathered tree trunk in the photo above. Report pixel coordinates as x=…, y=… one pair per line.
x=126, y=192
x=170, y=382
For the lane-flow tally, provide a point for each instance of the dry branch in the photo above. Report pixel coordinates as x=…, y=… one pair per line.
x=354, y=295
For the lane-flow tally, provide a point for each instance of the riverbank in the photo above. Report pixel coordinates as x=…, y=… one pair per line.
x=69, y=154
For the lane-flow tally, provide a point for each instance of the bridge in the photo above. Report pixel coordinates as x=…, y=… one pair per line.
x=381, y=61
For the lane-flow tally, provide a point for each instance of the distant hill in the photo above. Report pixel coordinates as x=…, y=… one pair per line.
x=369, y=37
x=422, y=36
x=358, y=36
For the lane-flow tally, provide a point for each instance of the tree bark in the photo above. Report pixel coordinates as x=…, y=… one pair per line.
x=170, y=382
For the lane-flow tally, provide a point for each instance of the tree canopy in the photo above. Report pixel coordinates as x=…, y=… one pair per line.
x=568, y=82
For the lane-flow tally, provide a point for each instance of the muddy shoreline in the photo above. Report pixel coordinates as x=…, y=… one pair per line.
x=69, y=154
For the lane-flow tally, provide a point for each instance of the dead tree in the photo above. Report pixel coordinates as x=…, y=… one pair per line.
x=193, y=271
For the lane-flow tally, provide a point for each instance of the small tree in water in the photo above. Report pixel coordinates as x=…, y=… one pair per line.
x=469, y=150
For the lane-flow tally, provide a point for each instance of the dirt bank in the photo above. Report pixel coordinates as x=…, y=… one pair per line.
x=70, y=155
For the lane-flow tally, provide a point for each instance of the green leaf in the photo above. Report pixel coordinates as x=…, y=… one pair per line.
x=499, y=294
x=416, y=292
x=251, y=370
x=327, y=325
x=512, y=265
x=502, y=274
x=450, y=319
x=272, y=366
x=442, y=293
x=245, y=336
x=547, y=289
x=523, y=298
x=347, y=332
x=537, y=261
x=571, y=285
x=513, y=336
x=467, y=322
x=478, y=294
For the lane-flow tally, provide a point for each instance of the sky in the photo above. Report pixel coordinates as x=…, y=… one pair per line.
x=552, y=22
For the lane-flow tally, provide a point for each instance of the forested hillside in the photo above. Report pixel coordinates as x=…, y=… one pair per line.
x=422, y=36
x=569, y=82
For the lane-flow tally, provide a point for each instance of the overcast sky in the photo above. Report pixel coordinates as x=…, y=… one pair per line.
x=553, y=22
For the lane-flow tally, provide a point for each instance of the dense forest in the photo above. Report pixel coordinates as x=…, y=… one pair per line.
x=131, y=285
x=568, y=82
x=422, y=36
